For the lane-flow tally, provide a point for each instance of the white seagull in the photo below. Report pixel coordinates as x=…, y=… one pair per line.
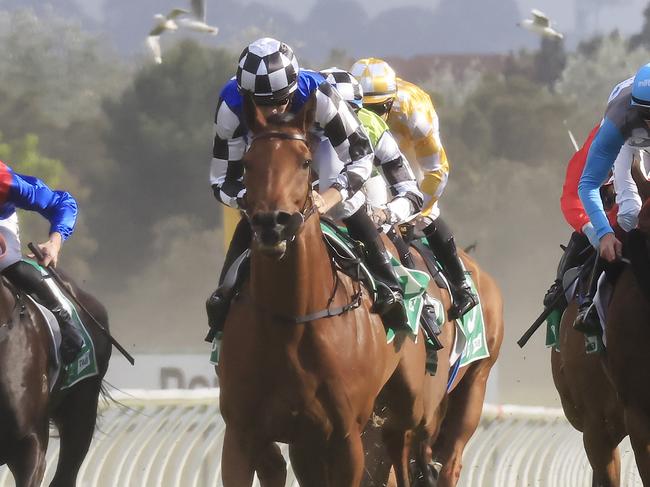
x=198, y=23
x=163, y=24
x=540, y=24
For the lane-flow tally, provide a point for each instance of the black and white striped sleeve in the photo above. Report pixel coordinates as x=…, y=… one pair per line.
x=227, y=170
x=407, y=197
x=343, y=129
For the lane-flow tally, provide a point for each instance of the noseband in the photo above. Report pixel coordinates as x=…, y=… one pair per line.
x=296, y=220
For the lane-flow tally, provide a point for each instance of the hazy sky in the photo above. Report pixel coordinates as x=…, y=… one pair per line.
x=622, y=14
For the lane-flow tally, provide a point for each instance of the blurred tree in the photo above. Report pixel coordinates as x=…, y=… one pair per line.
x=159, y=135
x=590, y=77
x=642, y=39
x=507, y=117
x=51, y=62
x=550, y=61
x=338, y=57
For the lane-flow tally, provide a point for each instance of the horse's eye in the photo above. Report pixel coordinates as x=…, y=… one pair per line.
x=306, y=163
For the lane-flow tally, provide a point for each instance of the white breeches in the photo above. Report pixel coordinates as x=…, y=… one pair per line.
x=9, y=232
x=627, y=194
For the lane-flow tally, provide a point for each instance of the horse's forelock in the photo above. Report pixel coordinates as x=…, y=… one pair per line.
x=281, y=119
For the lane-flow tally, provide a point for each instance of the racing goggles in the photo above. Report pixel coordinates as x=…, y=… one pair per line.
x=380, y=109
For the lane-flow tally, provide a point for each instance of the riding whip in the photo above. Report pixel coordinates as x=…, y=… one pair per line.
x=64, y=288
x=550, y=308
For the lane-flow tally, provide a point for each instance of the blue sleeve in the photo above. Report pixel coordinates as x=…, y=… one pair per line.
x=602, y=154
x=58, y=207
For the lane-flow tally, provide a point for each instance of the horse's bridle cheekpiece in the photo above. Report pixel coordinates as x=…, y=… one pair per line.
x=289, y=233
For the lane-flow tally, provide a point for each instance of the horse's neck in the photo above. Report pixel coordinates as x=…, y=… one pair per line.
x=301, y=282
x=7, y=302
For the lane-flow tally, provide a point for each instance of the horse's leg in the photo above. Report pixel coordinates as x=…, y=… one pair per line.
x=308, y=465
x=27, y=463
x=637, y=420
x=346, y=459
x=75, y=419
x=461, y=421
x=270, y=466
x=398, y=444
x=602, y=452
x=237, y=466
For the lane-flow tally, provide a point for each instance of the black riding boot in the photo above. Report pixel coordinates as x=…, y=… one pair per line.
x=218, y=303
x=575, y=254
x=441, y=241
x=29, y=279
x=587, y=320
x=389, y=302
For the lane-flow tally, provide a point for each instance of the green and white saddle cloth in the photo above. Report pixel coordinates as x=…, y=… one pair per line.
x=470, y=343
x=85, y=365
x=414, y=283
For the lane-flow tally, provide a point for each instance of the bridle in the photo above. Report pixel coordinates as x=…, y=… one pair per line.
x=297, y=219
x=291, y=229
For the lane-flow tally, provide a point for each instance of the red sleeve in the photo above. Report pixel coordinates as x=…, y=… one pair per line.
x=5, y=182
x=572, y=208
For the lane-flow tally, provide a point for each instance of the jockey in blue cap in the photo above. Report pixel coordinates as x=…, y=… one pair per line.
x=60, y=209
x=624, y=131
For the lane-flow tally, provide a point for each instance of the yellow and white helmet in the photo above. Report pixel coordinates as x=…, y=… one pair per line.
x=377, y=79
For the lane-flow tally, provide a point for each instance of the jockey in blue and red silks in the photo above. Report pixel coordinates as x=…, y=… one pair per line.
x=624, y=131
x=584, y=234
x=18, y=191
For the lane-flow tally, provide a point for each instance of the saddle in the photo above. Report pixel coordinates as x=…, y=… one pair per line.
x=351, y=264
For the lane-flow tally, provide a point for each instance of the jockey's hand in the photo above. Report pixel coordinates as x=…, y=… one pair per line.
x=611, y=248
x=50, y=250
x=380, y=216
x=318, y=200
x=328, y=200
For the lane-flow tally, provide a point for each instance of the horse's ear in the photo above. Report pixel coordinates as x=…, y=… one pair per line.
x=305, y=117
x=253, y=117
x=641, y=180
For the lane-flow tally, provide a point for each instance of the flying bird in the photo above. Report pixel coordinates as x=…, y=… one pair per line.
x=198, y=22
x=540, y=24
x=163, y=24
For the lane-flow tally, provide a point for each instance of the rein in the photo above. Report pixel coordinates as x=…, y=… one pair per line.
x=292, y=229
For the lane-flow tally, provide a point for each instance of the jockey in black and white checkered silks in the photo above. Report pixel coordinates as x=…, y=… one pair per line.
x=396, y=196
x=269, y=72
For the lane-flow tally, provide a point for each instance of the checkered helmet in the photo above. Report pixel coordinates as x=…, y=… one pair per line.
x=268, y=70
x=377, y=79
x=346, y=84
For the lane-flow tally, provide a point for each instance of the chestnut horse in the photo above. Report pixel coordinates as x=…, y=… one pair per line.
x=589, y=401
x=26, y=403
x=452, y=411
x=302, y=359
x=605, y=396
x=628, y=336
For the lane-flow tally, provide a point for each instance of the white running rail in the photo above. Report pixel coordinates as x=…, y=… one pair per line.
x=173, y=439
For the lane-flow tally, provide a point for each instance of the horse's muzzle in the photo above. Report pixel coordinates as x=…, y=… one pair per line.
x=273, y=229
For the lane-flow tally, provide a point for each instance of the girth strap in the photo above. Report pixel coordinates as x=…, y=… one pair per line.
x=328, y=312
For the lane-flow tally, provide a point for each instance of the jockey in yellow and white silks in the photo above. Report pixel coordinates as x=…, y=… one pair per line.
x=412, y=119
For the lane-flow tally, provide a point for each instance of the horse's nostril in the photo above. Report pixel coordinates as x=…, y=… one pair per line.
x=283, y=218
x=263, y=219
